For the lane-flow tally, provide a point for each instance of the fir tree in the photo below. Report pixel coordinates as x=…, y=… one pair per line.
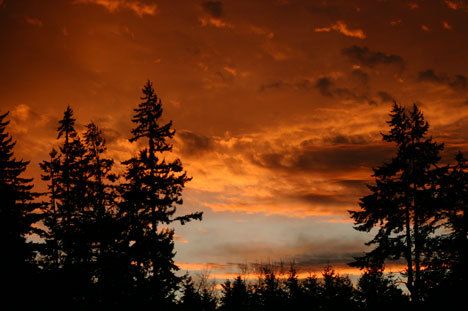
x=151, y=194
x=337, y=292
x=379, y=292
x=102, y=223
x=67, y=240
x=235, y=295
x=17, y=218
x=401, y=202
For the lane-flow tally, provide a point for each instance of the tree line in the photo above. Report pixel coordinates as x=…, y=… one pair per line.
x=100, y=238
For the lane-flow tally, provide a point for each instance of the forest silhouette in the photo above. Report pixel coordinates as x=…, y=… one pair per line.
x=98, y=239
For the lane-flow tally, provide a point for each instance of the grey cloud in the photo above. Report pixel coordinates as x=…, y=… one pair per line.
x=360, y=76
x=324, y=159
x=339, y=139
x=301, y=85
x=214, y=8
x=365, y=57
x=328, y=88
x=385, y=97
x=456, y=82
x=195, y=144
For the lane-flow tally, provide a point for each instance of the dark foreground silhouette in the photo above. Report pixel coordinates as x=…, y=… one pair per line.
x=97, y=239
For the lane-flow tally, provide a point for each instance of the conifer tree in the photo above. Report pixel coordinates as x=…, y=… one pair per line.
x=196, y=298
x=67, y=240
x=151, y=193
x=379, y=292
x=313, y=292
x=236, y=296
x=17, y=218
x=296, y=297
x=401, y=203
x=270, y=292
x=337, y=291
x=446, y=272
x=102, y=223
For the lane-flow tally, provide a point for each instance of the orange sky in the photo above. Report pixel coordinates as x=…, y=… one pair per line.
x=278, y=105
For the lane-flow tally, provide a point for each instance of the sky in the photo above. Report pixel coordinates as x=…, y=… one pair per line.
x=278, y=105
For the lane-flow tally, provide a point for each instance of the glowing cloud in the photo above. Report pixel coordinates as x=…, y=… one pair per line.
x=137, y=7
x=342, y=28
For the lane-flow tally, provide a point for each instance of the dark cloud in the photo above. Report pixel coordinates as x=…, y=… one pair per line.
x=385, y=97
x=360, y=77
x=194, y=144
x=214, y=8
x=308, y=254
x=365, y=57
x=309, y=158
x=340, y=139
x=325, y=199
x=456, y=82
x=301, y=85
x=327, y=87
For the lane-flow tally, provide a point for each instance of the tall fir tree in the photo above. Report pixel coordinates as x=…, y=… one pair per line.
x=17, y=217
x=102, y=223
x=401, y=203
x=446, y=273
x=377, y=291
x=151, y=193
x=67, y=240
x=236, y=296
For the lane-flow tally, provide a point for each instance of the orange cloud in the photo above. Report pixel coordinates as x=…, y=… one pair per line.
x=33, y=21
x=456, y=4
x=215, y=22
x=342, y=28
x=135, y=6
x=446, y=25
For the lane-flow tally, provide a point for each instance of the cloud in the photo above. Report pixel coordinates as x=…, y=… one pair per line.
x=456, y=4
x=365, y=57
x=214, y=13
x=215, y=22
x=261, y=31
x=137, y=7
x=456, y=82
x=214, y=8
x=312, y=158
x=342, y=28
x=446, y=25
x=33, y=21
x=301, y=85
x=339, y=139
x=385, y=97
x=307, y=253
x=360, y=76
x=194, y=144
x=328, y=88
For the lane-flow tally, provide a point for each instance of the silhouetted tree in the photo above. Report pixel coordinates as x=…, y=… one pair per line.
x=103, y=224
x=446, y=274
x=295, y=291
x=16, y=223
x=196, y=298
x=269, y=292
x=313, y=292
x=338, y=292
x=67, y=241
x=150, y=195
x=235, y=296
x=401, y=203
x=379, y=292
